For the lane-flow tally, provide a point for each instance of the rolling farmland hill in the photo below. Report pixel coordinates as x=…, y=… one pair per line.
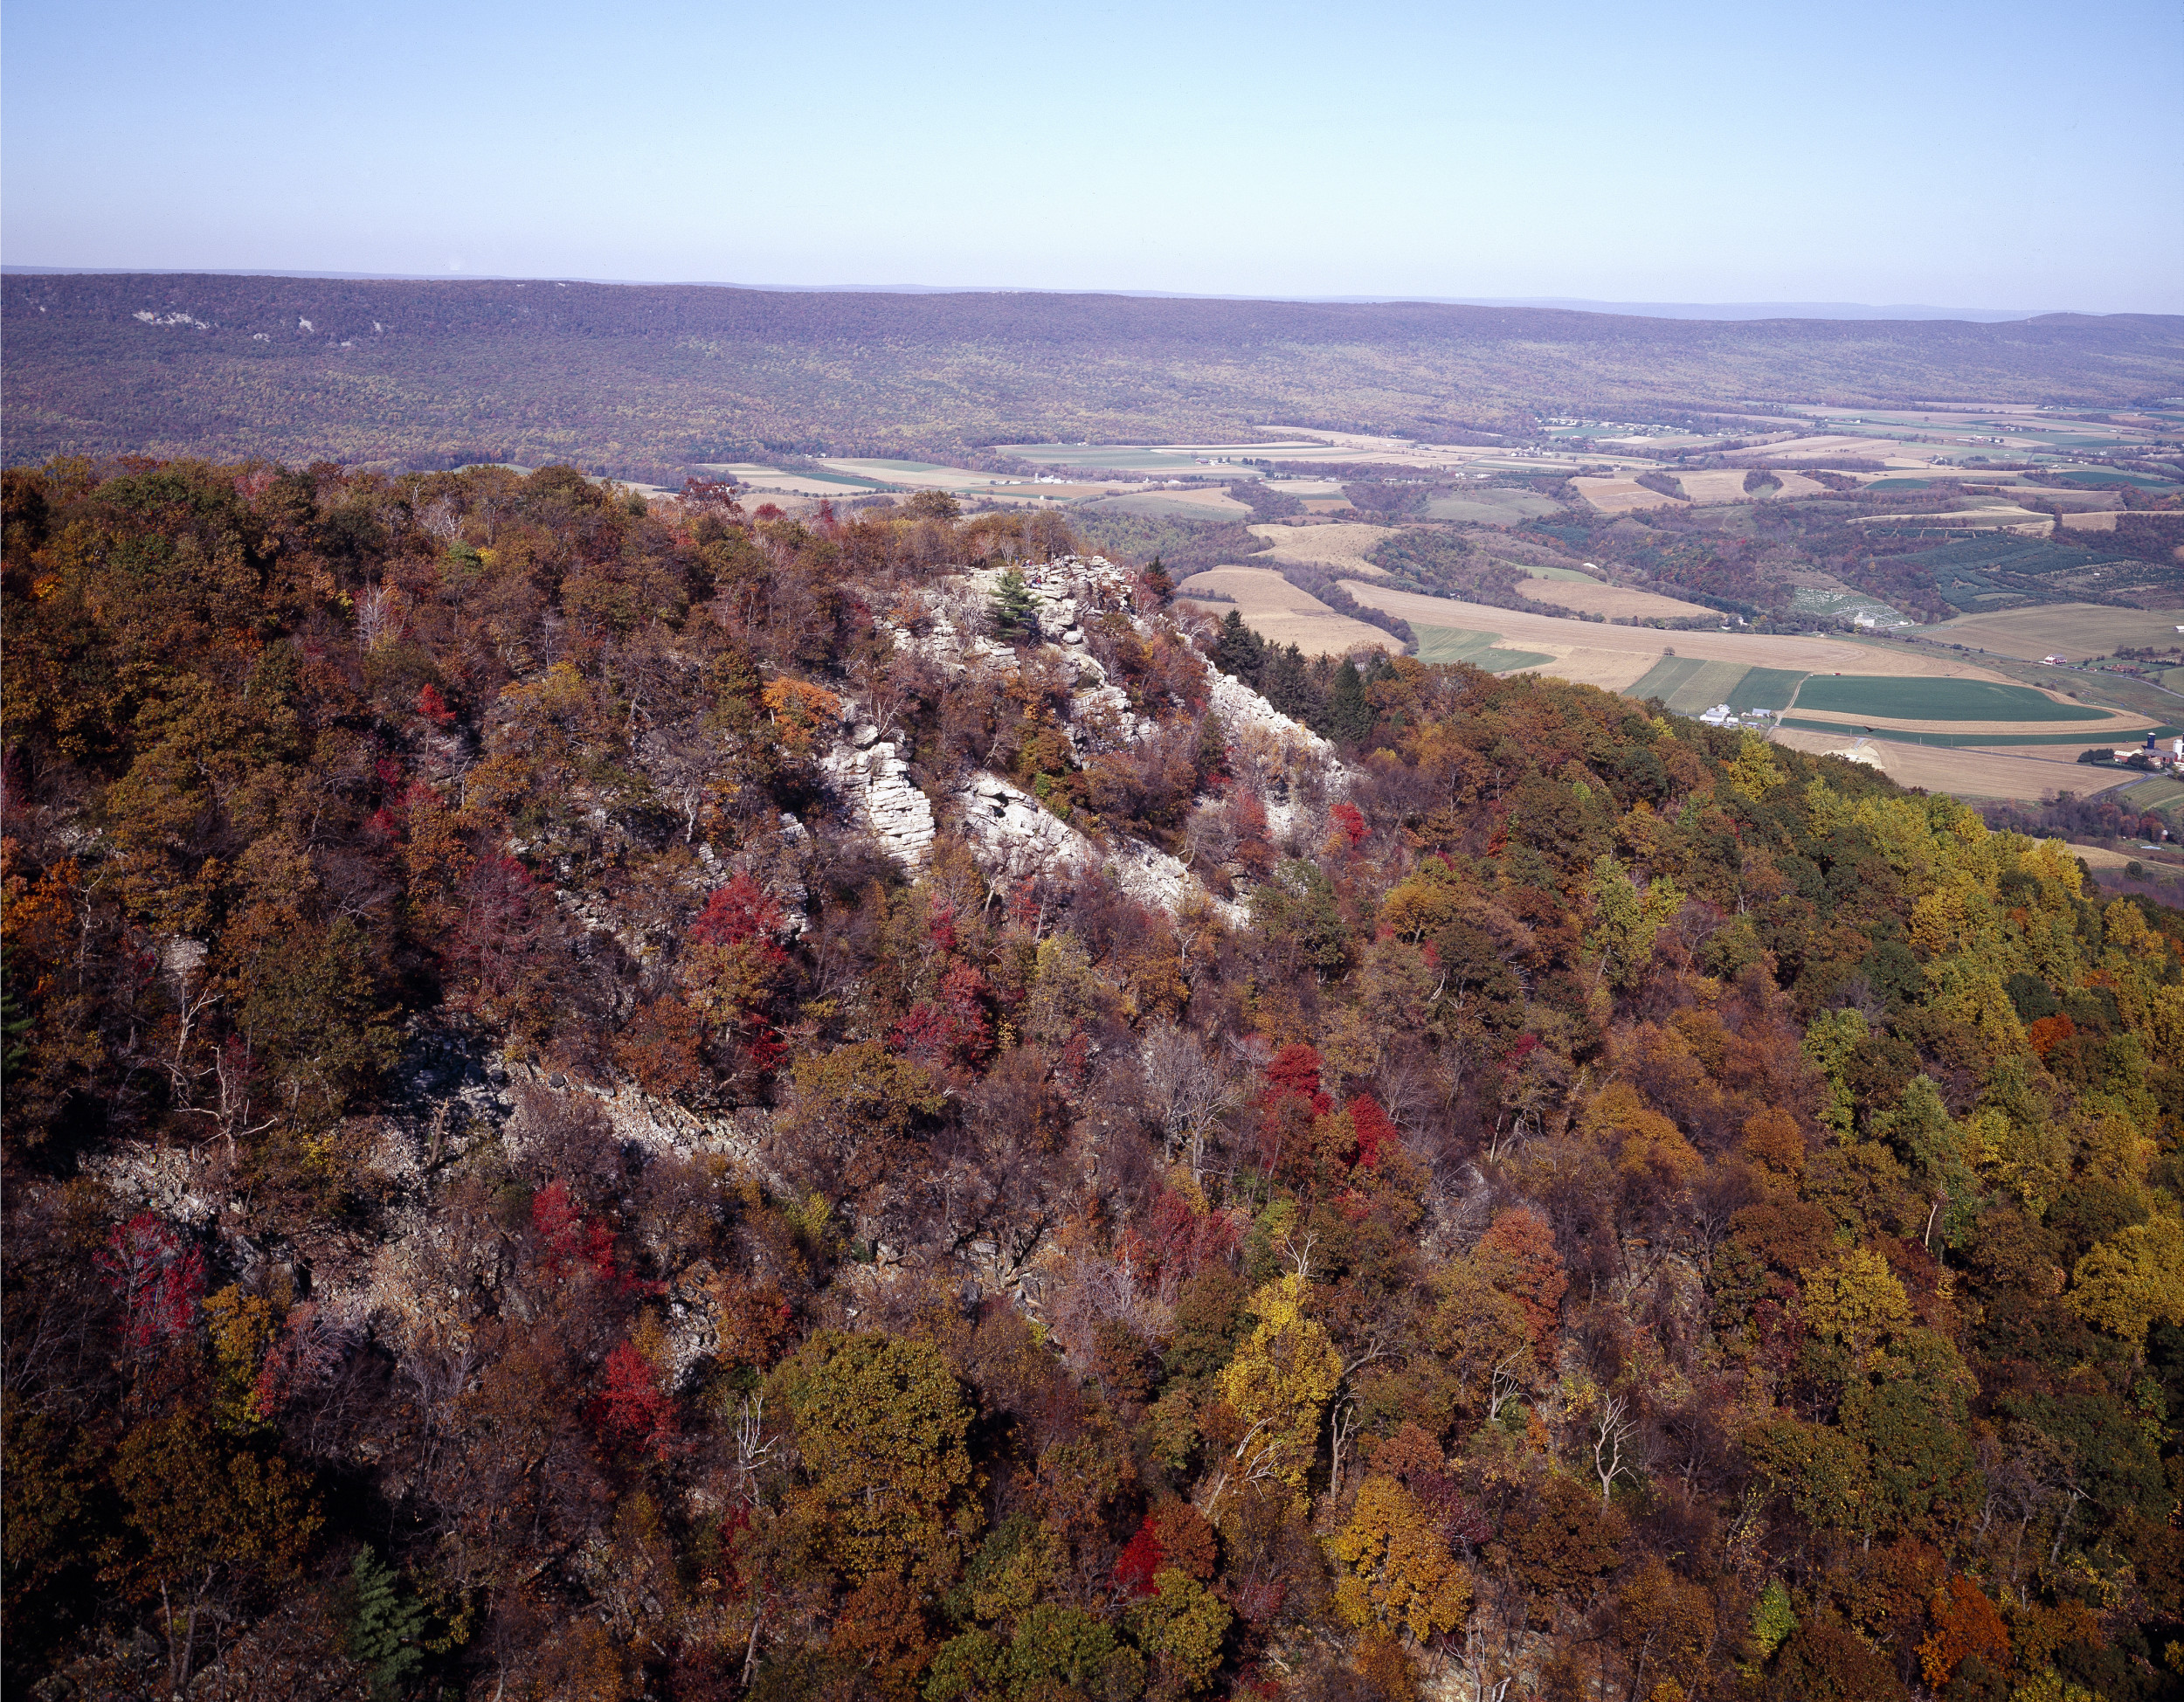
x=623, y=377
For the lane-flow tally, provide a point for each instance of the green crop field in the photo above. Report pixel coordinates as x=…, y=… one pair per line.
x=1983, y=741
x=1454, y=644
x=1690, y=685
x=2087, y=475
x=1664, y=679
x=2152, y=794
x=1566, y=574
x=1765, y=688
x=1709, y=684
x=1917, y=699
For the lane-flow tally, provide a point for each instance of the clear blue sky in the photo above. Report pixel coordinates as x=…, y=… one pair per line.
x=2003, y=155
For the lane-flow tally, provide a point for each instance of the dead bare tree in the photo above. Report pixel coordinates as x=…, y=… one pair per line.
x=1190, y=1090
x=1612, y=1429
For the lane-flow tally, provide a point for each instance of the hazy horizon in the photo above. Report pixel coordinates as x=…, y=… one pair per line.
x=1726, y=310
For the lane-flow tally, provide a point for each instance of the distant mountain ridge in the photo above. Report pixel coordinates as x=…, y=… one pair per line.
x=1579, y=304
x=413, y=372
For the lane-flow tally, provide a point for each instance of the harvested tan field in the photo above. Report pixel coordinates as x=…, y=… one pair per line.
x=914, y=475
x=1611, y=670
x=1613, y=601
x=1864, y=449
x=772, y=481
x=1341, y=544
x=1490, y=505
x=2101, y=520
x=1173, y=504
x=1621, y=495
x=1727, y=485
x=2001, y=514
x=1963, y=773
x=1213, y=500
x=2075, y=630
x=2100, y=857
x=1281, y=613
x=1806, y=653
x=1724, y=484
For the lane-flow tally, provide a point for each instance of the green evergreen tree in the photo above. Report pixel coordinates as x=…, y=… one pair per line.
x=1158, y=580
x=1241, y=653
x=1015, y=616
x=16, y=1024
x=1347, y=710
x=383, y=1628
x=1286, y=683
x=1212, y=756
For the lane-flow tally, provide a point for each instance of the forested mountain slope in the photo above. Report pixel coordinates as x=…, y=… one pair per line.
x=512, y=1191
x=618, y=376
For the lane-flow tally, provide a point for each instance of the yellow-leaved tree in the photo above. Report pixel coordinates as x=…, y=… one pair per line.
x=2123, y=1283
x=1401, y=1574
x=1856, y=1300
x=1278, y=1385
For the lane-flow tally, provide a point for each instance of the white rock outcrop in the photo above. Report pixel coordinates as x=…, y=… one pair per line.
x=1015, y=838
x=871, y=774
x=1011, y=833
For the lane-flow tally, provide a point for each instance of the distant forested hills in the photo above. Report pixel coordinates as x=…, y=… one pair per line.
x=619, y=378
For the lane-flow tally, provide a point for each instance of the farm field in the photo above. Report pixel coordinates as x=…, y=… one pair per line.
x=1765, y=688
x=1452, y=644
x=933, y=475
x=754, y=477
x=1721, y=485
x=1569, y=575
x=1281, y=613
x=1491, y=507
x=1339, y=544
x=1859, y=448
x=2079, y=631
x=1173, y=504
x=1690, y=687
x=2104, y=860
x=1987, y=513
x=917, y=476
x=1027, y=491
x=1908, y=699
x=1621, y=495
x=1588, y=596
x=1964, y=736
x=1156, y=460
x=1642, y=647
x=2156, y=794
x=1972, y=774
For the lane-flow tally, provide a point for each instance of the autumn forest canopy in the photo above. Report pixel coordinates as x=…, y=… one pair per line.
x=525, y=1179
